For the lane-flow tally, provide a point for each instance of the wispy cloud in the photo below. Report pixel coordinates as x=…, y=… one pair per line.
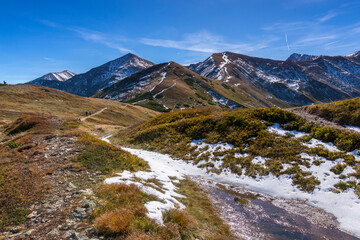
x=287, y=44
x=48, y=59
x=98, y=37
x=315, y=39
x=205, y=41
x=91, y=35
x=328, y=16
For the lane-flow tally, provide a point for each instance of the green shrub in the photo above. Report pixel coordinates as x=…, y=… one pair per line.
x=338, y=168
x=104, y=157
x=342, y=186
x=13, y=144
x=306, y=184
x=155, y=106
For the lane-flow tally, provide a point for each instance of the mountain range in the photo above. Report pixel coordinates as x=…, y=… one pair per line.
x=222, y=80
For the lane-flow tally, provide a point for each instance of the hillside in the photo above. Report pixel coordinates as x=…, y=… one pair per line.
x=346, y=112
x=86, y=84
x=18, y=100
x=301, y=80
x=170, y=86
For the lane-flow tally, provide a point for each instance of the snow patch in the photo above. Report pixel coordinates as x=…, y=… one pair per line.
x=354, y=128
x=275, y=128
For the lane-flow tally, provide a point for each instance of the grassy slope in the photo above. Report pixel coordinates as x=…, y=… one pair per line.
x=346, y=112
x=246, y=130
x=17, y=100
x=96, y=155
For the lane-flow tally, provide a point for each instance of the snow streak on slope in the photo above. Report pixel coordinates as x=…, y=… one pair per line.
x=223, y=73
x=60, y=76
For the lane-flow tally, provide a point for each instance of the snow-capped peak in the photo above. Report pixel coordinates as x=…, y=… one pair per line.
x=355, y=54
x=59, y=76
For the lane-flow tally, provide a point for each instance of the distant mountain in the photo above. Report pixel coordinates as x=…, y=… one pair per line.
x=170, y=86
x=53, y=80
x=86, y=84
x=302, y=80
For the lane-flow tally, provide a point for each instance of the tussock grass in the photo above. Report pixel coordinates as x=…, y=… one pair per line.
x=101, y=156
x=21, y=184
x=38, y=124
x=204, y=218
x=122, y=215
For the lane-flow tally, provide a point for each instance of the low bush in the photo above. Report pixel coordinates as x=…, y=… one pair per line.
x=155, y=106
x=104, y=157
x=13, y=144
x=345, y=112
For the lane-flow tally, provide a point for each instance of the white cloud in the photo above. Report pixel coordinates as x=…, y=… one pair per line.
x=204, y=41
x=328, y=16
x=91, y=35
x=98, y=37
x=314, y=39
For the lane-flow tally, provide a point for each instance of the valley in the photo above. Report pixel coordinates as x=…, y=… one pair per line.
x=163, y=151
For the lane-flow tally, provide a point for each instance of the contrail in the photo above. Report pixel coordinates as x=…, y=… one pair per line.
x=287, y=42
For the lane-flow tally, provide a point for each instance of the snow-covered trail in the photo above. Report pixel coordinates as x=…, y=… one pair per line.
x=345, y=206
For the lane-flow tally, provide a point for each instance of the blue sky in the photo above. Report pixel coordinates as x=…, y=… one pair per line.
x=37, y=37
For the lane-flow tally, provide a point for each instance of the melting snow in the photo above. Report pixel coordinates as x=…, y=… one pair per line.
x=167, y=197
x=275, y=128
x=345, y=206
x=354, y=128
x=315, y=142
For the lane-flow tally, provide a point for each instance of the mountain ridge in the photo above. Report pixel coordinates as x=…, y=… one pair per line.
x=86, y=84
x=323, y=79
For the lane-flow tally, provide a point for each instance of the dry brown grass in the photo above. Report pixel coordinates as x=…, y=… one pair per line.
x=123, y=216
x=21, y=184
x=122, y=212
x=18, y=100
x=116, y=221
x=142, y=236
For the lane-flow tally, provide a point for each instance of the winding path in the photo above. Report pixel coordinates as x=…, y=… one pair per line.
x=316, y=119
x=96, y=113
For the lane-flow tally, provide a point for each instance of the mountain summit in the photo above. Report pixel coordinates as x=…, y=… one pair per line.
x=296, y=57
x=54, y=79
x=86, y=84
x=170, y=85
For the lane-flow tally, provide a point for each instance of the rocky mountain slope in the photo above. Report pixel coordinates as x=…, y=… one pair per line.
x=301, y=80
x=86, y=84
x=170, y=85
